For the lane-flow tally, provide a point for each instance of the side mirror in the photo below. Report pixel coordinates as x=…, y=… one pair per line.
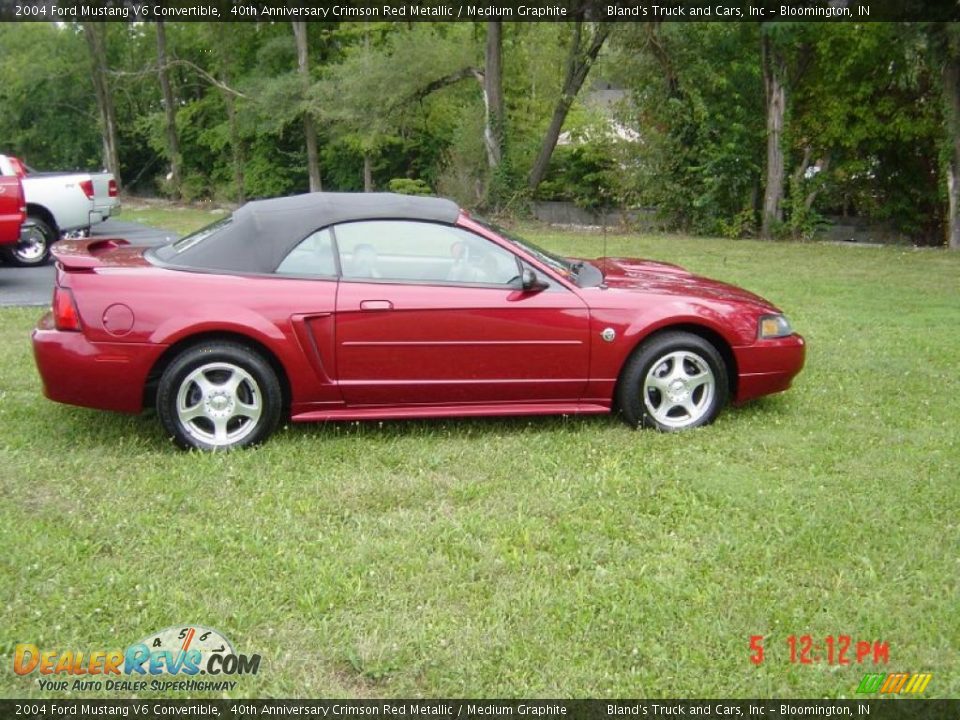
x=530, y=281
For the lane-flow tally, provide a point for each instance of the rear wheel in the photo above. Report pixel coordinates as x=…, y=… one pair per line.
x=674, y=381
x=218, y=396
x=33, y=247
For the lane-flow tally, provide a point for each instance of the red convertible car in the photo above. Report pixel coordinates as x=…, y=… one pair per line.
x=369, y=306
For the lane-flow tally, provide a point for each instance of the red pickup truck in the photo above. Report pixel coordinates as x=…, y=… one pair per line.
x=13, y=210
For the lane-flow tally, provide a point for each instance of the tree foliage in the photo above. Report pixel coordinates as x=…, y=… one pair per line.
x=862, y=130
x=869, y=123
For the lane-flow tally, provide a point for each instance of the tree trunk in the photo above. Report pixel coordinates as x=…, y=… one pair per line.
x=812, y=195
x=951, y=100
x=579, y=62
x=801, y=170
x=655, y=43
x=313, y=161
x=367, y=173
x=773, y=81
x=493, y=94
x=309, y=130
x=170, y=113
x=96, y=42
x=236, y=145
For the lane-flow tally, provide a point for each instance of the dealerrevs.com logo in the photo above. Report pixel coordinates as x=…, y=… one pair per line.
x=182, y=651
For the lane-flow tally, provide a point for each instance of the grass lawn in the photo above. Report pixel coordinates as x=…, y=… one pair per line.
x=164, y=215
x=530, y=557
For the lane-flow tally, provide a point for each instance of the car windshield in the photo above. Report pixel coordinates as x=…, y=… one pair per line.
x=573, y=270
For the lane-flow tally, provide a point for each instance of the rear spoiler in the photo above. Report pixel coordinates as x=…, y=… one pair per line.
x=84, y=254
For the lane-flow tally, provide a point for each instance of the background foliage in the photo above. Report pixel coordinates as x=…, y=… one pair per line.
x=392, y=102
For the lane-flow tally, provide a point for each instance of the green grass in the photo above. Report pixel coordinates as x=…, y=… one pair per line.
x=181, y=220
x=530, y=557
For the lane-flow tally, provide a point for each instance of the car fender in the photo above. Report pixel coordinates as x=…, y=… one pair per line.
x=664, y=316
x=633, y=323
x=201, y=321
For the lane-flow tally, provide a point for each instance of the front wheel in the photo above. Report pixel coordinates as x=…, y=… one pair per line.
x=674, y=381
x=219, y=396
x=33, y=247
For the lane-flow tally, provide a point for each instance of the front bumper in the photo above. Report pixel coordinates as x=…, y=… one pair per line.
x=768, y=366
x=105, y=376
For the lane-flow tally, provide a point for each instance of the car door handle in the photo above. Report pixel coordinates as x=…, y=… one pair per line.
x=376, y=305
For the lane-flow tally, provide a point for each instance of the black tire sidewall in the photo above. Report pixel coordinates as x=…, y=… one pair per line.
x=192, y=358
x=650, y=352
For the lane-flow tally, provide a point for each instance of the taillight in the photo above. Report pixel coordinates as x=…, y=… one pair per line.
x=112, y=188
x=87, y=187
x=65, y=313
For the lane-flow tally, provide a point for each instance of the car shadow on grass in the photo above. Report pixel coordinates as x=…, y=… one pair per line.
x=90, y=429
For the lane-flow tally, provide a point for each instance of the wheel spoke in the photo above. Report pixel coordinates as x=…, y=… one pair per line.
x=231, y=384
x=247, y=410
x=701, y=378
x=677, y=370
x=203, y=383
x=192, y=413
x=658, y=383
x=662, y=413
x=220, y=430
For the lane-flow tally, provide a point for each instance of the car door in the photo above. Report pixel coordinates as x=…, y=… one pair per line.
x=11, y=209
x=432, y=314
x=308, y=288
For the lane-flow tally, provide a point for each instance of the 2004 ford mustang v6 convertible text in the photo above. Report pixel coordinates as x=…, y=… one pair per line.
x=345, y=307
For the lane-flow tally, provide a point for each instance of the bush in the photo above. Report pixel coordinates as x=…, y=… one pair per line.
x=409, y=186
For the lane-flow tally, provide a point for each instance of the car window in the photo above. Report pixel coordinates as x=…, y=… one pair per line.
x=313, y=256
x=198, y=236
x=421, y=252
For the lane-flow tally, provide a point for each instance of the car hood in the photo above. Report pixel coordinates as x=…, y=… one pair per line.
x=661, y=278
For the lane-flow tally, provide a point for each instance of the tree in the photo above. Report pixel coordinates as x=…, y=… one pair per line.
x=774, y=83
x=309, y=130
x=863, y=130
x=696, y=102
x=401, y=72
x=170, y=112
x=95, y=34
x=580, y=59
x=45, y=92
x=493, y=93
x=947, y=38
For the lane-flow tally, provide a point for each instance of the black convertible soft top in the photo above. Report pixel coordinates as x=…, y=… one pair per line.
x=258, y=236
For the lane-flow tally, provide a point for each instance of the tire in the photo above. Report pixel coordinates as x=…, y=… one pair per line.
x=33, y=248
x=673, y=381
x=219, y=396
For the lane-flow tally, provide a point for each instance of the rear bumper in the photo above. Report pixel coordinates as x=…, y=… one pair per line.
x=105, y=376
x=768, y=366
x=105, y=211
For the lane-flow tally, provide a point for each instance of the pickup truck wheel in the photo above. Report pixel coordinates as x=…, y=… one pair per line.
x=33, y=247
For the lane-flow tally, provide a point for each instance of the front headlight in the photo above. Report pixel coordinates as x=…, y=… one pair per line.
x=773, y=326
